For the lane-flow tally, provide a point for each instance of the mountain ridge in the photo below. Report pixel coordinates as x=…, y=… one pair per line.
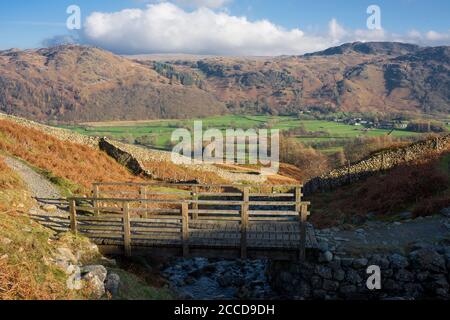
x=78, y=83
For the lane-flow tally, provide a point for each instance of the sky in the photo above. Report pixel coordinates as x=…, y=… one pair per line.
x=222, y=27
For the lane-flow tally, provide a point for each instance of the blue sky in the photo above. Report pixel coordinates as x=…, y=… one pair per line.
x=25, y=24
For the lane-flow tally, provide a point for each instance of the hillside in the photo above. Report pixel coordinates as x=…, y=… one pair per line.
x=25, y=246
x=369, y=48
x=374, y=77
x=74, y=161
x=74, y=83
x=72, y=166
x=414, y=189
x=79, y=84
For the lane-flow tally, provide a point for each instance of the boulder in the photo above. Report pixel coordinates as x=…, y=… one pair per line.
x=446, y=212
x=323, y=272
x=324, y=246
x=439, y=286
x=97, y=271
x=304, y=290
x=326, y=256
x=347, y=262
x=398, y=261
x=339, y=275
x=353, y=277
x=422, y=276
x=360, y=263
x=108, y=261
x=112, y=284
x=95, y=276
x=413, y=290
x=329, y=285
x=427, y=259
x=387, y=273
x=65, y=266
x=381, y=261
x=440, y=281
x=316, y=282
x=404, y=275
x=65, y=255
x=234, y=280
x=97, y=286
x=335, y=264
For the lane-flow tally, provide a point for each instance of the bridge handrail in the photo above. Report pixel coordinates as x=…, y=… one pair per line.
x=191, y=185
x=243, y=215
x=205, y=202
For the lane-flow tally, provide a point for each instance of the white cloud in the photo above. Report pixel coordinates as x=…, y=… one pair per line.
x=436, y=36
x=336, y=31
x=167, y=28
x=203, y=3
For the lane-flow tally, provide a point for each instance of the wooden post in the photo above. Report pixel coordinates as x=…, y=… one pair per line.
x=195, y=203
x=143, y=195
x=96, y=203
x=298, y=198
x=303, y=216
x=126, y=229
x=73, y=216
x=185, y=228
x=244, y=221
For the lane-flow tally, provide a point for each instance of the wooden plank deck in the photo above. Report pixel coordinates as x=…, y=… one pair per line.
x=271, y=240
x=237, y=224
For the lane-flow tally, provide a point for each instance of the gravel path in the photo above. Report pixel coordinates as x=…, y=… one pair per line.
x=40, y=187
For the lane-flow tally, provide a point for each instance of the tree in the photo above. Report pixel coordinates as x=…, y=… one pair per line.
x=338, y=159
x=146, y=140
x=312, y=162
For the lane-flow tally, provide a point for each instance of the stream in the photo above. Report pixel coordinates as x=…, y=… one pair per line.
x=201, y=279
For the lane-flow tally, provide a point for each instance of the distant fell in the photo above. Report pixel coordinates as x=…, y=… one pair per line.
x=84, y=84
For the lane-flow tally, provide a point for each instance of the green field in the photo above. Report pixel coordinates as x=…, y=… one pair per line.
x=161, y=130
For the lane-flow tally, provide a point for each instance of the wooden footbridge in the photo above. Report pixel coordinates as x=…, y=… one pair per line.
x=223, y=221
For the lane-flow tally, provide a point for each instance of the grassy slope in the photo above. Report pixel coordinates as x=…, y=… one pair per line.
x=13, y=193
x=25, y=246
x=72, y=166
x=422, y=188
x=24, y=273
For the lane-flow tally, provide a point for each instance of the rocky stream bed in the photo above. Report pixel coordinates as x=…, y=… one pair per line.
x=201, y=278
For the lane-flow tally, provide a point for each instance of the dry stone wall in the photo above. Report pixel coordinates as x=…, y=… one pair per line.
x=376, y=163
x=423, y=273
x=131, y=156
x=59, y=133
x=134, y=158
